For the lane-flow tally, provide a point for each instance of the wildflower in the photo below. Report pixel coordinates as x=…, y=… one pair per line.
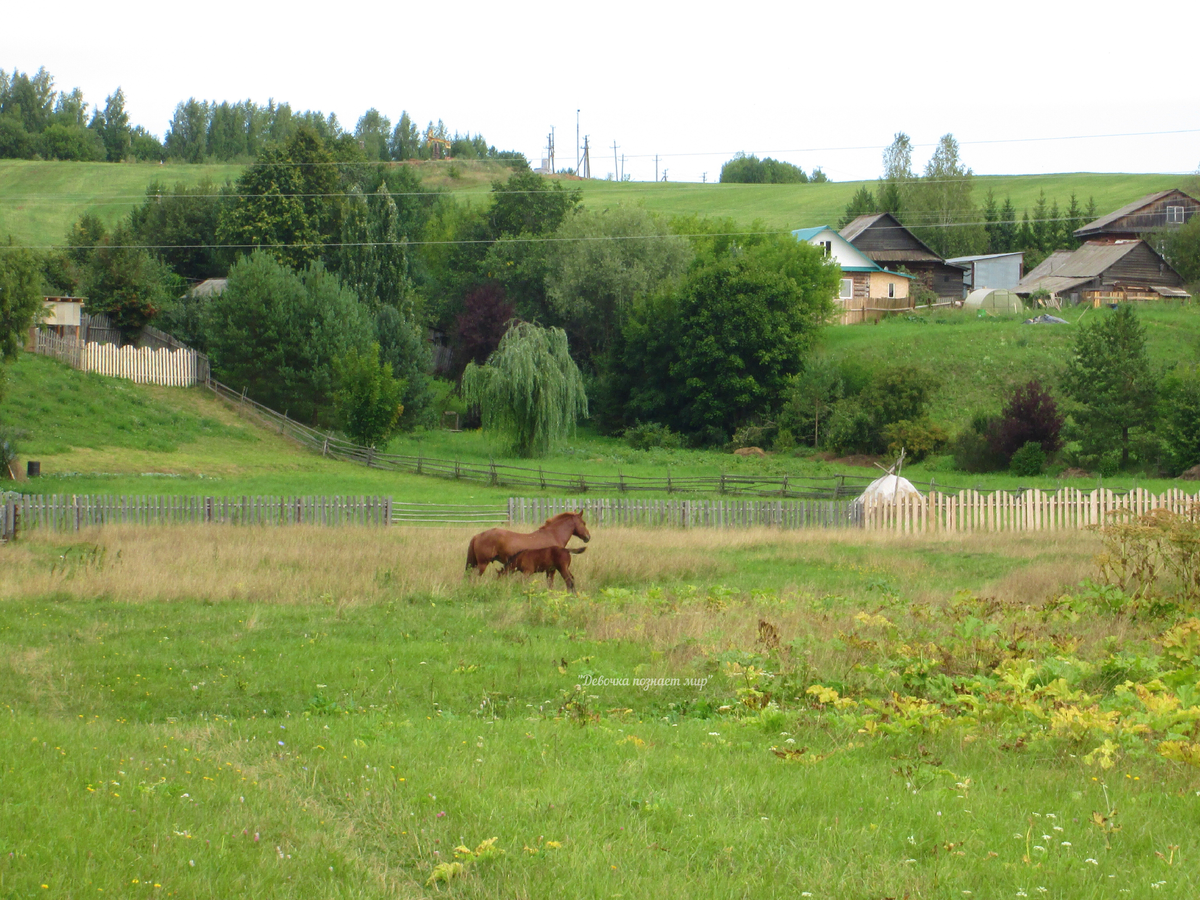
x=442, y=814
x=1065, y=844
x=1092, y=861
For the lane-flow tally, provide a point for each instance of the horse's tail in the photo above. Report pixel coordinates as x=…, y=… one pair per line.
x=471, y=561
x=574, y=549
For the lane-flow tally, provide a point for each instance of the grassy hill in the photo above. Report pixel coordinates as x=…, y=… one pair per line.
x=40, y=200
x=99, y=435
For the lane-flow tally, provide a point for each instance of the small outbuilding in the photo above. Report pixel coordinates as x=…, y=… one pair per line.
x=996, y=301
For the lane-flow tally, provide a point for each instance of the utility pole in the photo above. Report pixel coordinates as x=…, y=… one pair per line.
x=656, y=167
x=616, y=170
x=622, y=166
x=586, y=166
x=576, y=142
x=704, y=178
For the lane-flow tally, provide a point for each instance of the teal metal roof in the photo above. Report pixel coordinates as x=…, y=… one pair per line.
x=807, y=234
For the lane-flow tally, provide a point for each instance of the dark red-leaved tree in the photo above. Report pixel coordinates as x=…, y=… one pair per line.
x=481, y=324
x=1029, y=415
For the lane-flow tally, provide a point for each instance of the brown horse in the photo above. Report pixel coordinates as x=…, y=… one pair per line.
x=544, y=559
x=498, y=544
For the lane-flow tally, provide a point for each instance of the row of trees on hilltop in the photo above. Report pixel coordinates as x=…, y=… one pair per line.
x=743, y=169
x=38, y=121
x=939, y=207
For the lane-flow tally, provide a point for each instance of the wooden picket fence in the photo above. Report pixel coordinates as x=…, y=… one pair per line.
x=1030, y=510
x=143, y=365
x=692, y=513
x=179, y=367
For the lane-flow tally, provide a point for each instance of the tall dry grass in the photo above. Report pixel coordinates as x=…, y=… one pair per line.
x=362, y=565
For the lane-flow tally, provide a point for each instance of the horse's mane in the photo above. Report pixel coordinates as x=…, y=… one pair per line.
x=561, y=516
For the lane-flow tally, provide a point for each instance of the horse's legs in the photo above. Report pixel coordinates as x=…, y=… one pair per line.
x=566, y=574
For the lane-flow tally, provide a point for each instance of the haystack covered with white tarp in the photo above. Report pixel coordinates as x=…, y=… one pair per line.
x=888, y=487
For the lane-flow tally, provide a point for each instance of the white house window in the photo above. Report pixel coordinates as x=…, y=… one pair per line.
x=1174, y=215
x=847, y=289
x=828, y=247
x=891, y=289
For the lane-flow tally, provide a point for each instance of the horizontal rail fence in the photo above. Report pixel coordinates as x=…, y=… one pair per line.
x=831, y=487
x=448, y=514
x=71, y=512
x=693, y=513
x=1031, y=510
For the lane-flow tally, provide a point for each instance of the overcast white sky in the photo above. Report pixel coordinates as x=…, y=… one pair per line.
x=691, y=82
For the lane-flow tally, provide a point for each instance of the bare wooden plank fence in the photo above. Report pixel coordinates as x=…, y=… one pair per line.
x=692, y=513
x=71, y=512
x=180, y=367
x=1031, y=510
x=8, y=516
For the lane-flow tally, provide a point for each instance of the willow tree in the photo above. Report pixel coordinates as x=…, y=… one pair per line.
x=529, y=392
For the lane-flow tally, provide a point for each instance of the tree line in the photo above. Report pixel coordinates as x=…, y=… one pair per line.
x=38, y=121
x=743, y=169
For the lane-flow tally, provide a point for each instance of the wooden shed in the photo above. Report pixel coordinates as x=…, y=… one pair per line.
x=1166, y=209
x=1100, y=272
x=881, y=237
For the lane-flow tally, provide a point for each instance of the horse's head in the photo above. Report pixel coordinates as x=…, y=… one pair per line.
x=581, y=529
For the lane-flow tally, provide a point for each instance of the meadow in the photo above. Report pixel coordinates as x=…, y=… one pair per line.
x=304, y=712
x=39, y=201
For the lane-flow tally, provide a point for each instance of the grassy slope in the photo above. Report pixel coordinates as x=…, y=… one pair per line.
x=781, y=206
x=40, y=200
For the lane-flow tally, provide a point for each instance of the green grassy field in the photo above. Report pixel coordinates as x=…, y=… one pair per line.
x=39, y=201
x=312, y=712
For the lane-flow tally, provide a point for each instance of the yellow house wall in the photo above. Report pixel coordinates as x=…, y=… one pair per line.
x=879, y=285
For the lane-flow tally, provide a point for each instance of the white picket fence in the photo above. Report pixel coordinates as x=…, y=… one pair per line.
x=144, y=365
x=1030, y=510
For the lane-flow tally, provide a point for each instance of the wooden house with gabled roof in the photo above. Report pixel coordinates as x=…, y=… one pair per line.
x=1100, y=272
x=881, y=237
x=1166, y=209
x=868, y=290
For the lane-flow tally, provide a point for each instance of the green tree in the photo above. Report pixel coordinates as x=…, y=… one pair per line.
x=405, y=142
x=529, y=392
x=943, y=214
x=372, y=132
x=20, y=300
x=598, y=264
x=114, y=127
x=1182, y=250
x=285, y=202
x=1181, y=418
x=718, y=349
x=122, y=280
x=1006, y=228
x=895, y=185
x=367, y=397
x=180, y=226
x=529, y=204
x=278, y=332
x=187, y=135
x=861, y=204
x=743, y=169
x=1109, y=380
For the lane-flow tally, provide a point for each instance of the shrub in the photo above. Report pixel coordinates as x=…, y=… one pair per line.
x=917, y=438
x=1029, y=460
x=1029, y=415
x=973, y=449
x=648, y=435
x=784, y=441
x=1181, y=419
x=754, y=436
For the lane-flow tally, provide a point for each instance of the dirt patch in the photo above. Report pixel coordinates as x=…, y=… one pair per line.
x=861, y=460
x=1076, y=473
